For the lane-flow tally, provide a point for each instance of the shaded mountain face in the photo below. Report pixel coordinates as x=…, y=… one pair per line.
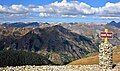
x=113, y=23
x=56, y=43
x=9, y=36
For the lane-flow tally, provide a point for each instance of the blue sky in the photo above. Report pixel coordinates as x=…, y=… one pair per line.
x=59, y=10
x=94, y=3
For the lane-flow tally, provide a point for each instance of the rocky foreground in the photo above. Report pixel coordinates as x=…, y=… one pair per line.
x=57, y=68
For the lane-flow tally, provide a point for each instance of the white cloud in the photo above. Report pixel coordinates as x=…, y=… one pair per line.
x=72, y=16
x=13, y=9
x=6, y=16
x=18, y=9
x=110, y=18
x=83, y=16
x=72, y=8
x=66, y=9
x=110, y=10
x=44, y=15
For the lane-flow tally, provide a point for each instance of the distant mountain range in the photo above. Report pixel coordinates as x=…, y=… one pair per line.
x=22, y=24
x=113, y=23
x=36, y=24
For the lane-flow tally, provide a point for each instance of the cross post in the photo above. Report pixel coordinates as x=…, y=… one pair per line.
x=106, y=39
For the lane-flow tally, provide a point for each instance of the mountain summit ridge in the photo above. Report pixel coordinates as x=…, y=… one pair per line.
x=113, y=23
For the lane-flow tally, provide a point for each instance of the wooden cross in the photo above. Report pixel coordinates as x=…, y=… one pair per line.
x=106, y=35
